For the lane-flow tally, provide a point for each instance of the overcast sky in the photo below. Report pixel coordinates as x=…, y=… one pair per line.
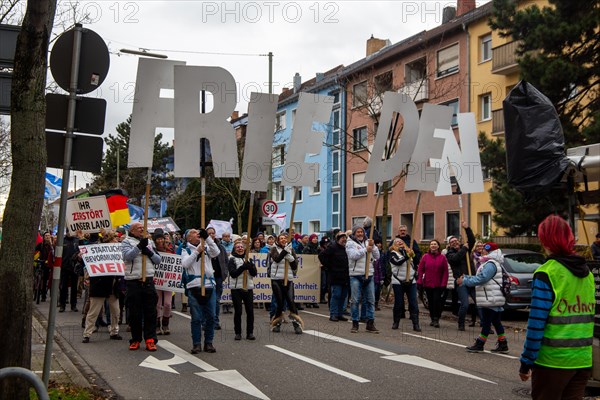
x=305, y=37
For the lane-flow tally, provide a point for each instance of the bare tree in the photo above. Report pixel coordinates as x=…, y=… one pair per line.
x=23, y=209
x=5, y=157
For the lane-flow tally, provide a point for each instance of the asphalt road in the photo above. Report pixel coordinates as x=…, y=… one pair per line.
x=326, y=362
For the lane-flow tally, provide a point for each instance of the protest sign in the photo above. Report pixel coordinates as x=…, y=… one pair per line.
x=103, y=259
x=89, y=214
x=167, y=275
x=166, y=224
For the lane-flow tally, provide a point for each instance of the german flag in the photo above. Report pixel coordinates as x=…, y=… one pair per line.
x=117, y=206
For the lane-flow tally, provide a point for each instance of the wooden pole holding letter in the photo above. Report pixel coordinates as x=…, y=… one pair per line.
x=410, y=233
x=290, y=229
x=372, y=231
x=245, y=274
x=145, y=233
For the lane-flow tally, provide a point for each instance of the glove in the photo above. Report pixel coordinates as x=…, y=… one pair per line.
x=146, y=251
x=248, y=265
x=203, y=234
x=143, y=243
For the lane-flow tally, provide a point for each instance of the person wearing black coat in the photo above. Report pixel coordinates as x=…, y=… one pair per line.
x=68, y=276
x=459, y=257
x=237, y=265
x=335, y=260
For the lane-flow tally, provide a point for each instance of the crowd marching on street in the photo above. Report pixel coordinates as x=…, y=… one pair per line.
x=355, y=273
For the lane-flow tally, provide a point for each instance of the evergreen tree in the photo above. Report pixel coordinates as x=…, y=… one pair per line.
x=559, y=53
x=133, y=180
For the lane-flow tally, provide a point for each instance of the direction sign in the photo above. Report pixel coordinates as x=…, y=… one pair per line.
x=269, y=207
x=5, y=84
x=8, y=44
x=89, y=114
x=86, y=154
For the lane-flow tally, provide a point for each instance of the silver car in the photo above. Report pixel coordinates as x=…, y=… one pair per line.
x=520, y=266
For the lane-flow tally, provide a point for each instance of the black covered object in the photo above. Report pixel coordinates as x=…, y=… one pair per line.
x=535, y=146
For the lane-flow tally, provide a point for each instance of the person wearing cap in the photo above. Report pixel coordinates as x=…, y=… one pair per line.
x=557, y=353
x=165, y=297
x=457, y=256
x=335, y=260
x=141, y=293
x=596, y=248
x=489, y=297
x=357, y=248
x=269, y=243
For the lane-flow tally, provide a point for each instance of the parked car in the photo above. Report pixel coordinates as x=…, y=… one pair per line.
x=520, y=266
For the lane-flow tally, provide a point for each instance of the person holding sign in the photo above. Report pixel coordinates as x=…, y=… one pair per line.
x=403, y=281
x=165, y=297
x=281, y=253
x=202, y=305
x=459, y=258
x=358, y=249
x=141, y=294
x=237, y=265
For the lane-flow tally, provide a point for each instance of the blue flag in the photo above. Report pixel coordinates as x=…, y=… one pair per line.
x=53, y=186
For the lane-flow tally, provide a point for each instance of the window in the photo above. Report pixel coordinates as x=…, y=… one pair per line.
x=299, y=194
x=452, y=223
x=485, y=103
x=388, y=227
x=384, y=82
x=297, y=227
x=293, y=117
x=335, y=132
x=377, y=188
x=314, y=226
x=278, y=192
x=485, y=172
x=359, y=139
x=485, y=224
x=280, y=121
x=336, y=97
x=485, y=48
x=335, y=169
x=454, y=105
x=359, y=186
x=447, y=61
x=315, y=189
x=407, y=219
x=428, y=226
x=357, y=221
x=359, y=94
x=278, y=155
x=415, y=71
x=335, y=210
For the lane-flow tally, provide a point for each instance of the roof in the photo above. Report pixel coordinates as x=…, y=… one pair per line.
x=328, y=79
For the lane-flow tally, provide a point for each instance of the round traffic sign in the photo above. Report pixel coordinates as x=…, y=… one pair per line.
x=269, y=207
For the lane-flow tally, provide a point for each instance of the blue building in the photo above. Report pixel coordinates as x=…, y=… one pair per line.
x=319, y=209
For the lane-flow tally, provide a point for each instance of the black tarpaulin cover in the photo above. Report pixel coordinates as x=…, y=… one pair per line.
x=535, y=145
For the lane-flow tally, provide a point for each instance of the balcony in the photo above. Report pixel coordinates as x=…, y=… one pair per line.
x=504, y=60
x=497, y=122
x=418, y=91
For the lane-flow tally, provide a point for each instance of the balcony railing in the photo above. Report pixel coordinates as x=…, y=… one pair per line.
x=504, y=60
x=498, y=122
x=418, y=91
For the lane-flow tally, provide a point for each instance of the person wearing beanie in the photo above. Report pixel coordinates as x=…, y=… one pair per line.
x=557, y=353
x=357, y=248
x=335, y=261
x=237, y=264
x=267, y=247
x=489, y=297
x=312, y=247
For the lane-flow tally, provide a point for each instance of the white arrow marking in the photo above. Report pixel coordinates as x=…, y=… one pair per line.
x=338, y=339
x=320, y=364
x=162, y=365
x=458, y=345
x=234, y=380
x=421, y=362
x=165, y=344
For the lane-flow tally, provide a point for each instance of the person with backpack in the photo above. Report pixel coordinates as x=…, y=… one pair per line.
x=489, y=297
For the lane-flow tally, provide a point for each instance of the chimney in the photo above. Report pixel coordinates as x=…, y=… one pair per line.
x=297, y=82
x=448, y=14
x=374, y=45
x=319, y=77
x=285, y=90
x=464, y=6
x=235, y=115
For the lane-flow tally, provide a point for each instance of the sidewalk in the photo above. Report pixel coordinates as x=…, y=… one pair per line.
x=66, y=366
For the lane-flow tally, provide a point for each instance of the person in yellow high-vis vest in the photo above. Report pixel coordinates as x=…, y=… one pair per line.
x=557, y=353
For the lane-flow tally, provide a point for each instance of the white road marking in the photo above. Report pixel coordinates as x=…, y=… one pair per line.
x=319, y=364
x=162, y=365
x=349, y=342
x=234, y=380
x=422, y=362
x=181, y=314
x=52, y=372
x=458, y=345
x=165, y=344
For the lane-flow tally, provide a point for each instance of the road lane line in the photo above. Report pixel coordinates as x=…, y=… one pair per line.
x=181, y=314
x=349, y=342
x=458, y=345
x=319, y=364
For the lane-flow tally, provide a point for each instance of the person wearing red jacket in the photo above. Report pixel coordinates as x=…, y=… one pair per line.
x=433, y=276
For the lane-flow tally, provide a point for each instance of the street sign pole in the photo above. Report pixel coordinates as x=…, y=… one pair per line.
x=63, y=200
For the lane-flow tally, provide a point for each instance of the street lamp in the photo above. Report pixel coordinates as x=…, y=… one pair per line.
x=143, y=52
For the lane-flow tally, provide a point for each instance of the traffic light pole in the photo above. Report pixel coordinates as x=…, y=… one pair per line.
x=72, y=104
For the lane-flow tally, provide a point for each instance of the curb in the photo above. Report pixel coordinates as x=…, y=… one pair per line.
x=78, y=370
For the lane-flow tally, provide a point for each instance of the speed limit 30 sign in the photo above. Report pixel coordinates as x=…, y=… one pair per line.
x=269, y=207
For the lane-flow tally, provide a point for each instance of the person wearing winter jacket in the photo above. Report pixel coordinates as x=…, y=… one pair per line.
x=165, y=297
x=202, y=306
x=239, y=294
x=335, y=261
x=403, y=281
x=357, y=249
x=433, y=277
x=282, y=253
x=141, y=293
x=489, y=297
x=220, y=265
x=557, y=353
